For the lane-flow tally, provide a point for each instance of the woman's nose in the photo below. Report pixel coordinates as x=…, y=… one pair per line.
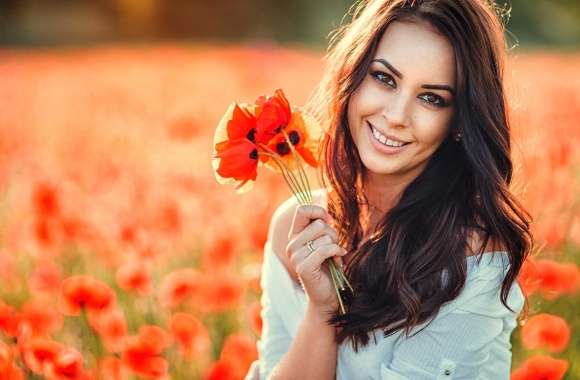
x=397, y=110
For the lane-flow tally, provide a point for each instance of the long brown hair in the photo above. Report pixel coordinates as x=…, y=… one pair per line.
x=396, y=271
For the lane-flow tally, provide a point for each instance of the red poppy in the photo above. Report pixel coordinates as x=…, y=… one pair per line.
x=112, y=328
x=222, y=370
x=239, y=351
x=178, y=286
x=243, y=132
x=8, y=320
x=220, y=251
x=38, y=352
x=541, y=367
x=83, y=291
x=273, y=115
x=220, y=292
x=545, y=330
x=111, y=368
x=142, y=353
x=134, y=276
x=39, y=317
x=67, y=365
x=191, y=335
x=9, y=370
x=557, y=278
x=302, y=139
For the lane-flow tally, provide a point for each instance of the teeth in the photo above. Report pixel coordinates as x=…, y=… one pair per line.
x=385, y=140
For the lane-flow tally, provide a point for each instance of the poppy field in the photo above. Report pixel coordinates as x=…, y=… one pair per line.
x=121, y=257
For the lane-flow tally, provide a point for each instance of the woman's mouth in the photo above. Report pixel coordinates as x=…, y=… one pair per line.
x=383, y=144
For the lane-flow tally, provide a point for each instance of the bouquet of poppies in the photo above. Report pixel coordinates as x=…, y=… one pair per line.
x=272, y=134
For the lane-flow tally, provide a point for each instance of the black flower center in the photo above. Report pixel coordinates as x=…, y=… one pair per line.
x=251, y=135
x=282, y=148
x=254, y=154
x=294, y=137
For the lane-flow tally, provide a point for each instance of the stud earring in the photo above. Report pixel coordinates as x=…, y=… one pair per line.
x=457, y=136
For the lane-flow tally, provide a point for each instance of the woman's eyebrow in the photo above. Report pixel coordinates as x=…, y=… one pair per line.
x=400, y=76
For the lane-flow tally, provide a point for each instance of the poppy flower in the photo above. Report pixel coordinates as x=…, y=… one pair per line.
x=222, y=370
x=303, y=136
x=191, y=335
x=245, y=130
x=66, y=365
x=38, y=352
x=239, y=351
x=111, y=368
x=220, y=292
x=134, y=276
x=40, y=317
x=8, y=370
x=8, y=320
x=178, y=286
x=83, y=291
x=142, y=353
x=111, y=327
x=220, y=251
x=541, y=367
x=557, y=278
x=274, y=114
x=545, y=330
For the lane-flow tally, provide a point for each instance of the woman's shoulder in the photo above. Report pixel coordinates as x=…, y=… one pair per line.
x=282, y=221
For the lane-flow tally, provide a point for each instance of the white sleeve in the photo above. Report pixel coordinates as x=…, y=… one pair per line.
x=275, y=339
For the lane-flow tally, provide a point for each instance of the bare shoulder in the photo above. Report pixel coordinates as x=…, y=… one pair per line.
x=282, y=221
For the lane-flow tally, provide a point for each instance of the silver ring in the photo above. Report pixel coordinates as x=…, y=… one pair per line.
x=309, y=244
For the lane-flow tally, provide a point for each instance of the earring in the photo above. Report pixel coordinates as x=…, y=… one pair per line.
x=457, y=136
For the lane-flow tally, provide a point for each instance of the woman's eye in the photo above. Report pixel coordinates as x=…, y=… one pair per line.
x=384, y=78
x=434, y=99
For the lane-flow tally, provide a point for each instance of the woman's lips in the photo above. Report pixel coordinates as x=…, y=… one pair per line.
x=382, y=147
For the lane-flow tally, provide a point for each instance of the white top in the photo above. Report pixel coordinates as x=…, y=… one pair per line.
x=468, y=339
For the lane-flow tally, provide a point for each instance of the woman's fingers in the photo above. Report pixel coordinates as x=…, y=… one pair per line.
x=312, y=231
x=304, y=215
x=298, y=255
x=312, y=263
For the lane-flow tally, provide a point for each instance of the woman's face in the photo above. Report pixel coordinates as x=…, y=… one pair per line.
x=407, y=94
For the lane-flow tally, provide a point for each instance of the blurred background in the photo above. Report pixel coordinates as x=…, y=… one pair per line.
x=121, y=257
x=552, y=23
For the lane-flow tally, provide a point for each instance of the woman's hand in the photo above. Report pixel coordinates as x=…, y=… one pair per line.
x=311, y=224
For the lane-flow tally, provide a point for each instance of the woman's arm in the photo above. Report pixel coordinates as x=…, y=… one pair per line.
x=313, y=351
x=312, y=354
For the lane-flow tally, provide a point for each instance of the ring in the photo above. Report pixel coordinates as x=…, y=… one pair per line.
x=309, y=245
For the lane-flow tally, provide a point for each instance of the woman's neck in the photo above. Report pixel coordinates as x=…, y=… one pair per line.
x=381, y=193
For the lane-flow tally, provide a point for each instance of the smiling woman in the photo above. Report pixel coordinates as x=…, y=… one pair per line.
x=416, y=170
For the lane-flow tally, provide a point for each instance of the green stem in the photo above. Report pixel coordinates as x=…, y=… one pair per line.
x=288, y=177
x=302, y=173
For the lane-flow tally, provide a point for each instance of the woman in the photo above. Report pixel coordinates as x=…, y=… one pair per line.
x=416, y=160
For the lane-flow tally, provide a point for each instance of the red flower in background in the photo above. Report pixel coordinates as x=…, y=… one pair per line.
x=8, y=369
x=550, y=278
x=541, y=367
x=142, y=354
x=545, y=330
x=39, y=352
x=134, y=276
x=39, y=317
x=191, y=335
x=238, y=351
x=111, y=327
x=178, y=286
x=8, y=320
x=220, y=292
x=67, y=365
x=83, y=291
